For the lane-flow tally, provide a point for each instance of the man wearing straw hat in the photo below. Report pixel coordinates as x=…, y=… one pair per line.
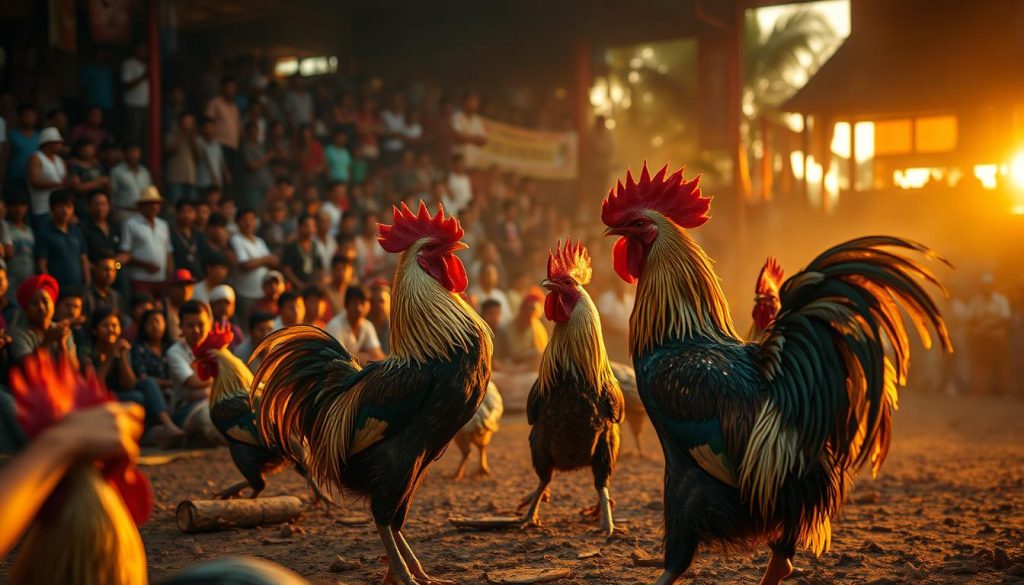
x=146, y=245
x=46, y=173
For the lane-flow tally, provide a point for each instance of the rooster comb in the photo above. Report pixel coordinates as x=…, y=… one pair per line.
x=46, y=390
x=570, y=260
x=674, y=197
x=220, y=337
x=770, y=279
x=410, y=227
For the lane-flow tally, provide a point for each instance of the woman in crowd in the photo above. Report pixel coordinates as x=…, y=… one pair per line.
x=21, y=263
x=85, y=174
x=111, y=357
x=149, y=360
x=310, y=155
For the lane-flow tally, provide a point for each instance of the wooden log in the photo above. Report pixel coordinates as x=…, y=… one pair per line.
x=211, y=515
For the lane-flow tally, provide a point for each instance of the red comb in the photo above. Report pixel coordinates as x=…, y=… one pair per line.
x=570, y=260
x=46, y=391
x=409, y=228
x=770, y=279
x=220, y=337
x=674, y=197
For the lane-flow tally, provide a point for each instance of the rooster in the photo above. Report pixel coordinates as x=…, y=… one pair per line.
x=762, y=439
x=373, y=431
x=232, y=414
x=479, y=430
x=766, y=298
x=636, y=416
x=575, y=406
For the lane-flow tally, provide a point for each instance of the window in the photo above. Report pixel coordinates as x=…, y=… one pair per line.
x=935, y=134
x=894, y=137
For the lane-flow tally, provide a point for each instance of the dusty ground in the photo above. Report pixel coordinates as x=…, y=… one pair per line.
x=947, y=508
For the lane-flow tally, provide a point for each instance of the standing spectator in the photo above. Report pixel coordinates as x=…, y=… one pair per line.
x=393, y=129
x=310, y=154
x=46, y=173
x=254, y=115
x=373, y=260
x=300, y=262
x=260, y=326
x=227, y=124
x=273, y=287
x=101, y=294
x=254, y=261
x=487, y=288
x=368, y=125
x=282, y=149
x=380, y=312
x=343, y=273
x=21, y=264
x=135, y=96
x=468, y=127
x=211, y=168
x=174, y=107
x=352, y=329
x=255, y=180
x=91, y=130
x=298, y=103
x=510, y=235
x=988, y=328
x=146, y=246
x=181, y=152
x=276, y=229
x=60, y=247
x=85, y=173
x=339, y=160
x=97, y=79
x=102, y=235
x=218, y=237
x=179, y=292
x=405, y=177
x=222, y=305
x=336, y=205
x=58, y=118
x=189, y=245
x=23, y=142
x=129, y=180
x=460, y=188
x=37, y=296
x=217, y=267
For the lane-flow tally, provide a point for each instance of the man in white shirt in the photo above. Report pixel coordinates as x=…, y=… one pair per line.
x=395, y=130
x=190, y=394
x=128, y=180
x=468, y=127
x=254, y=260
x=146, y=246
x=212, y=168
x=135, y=97
x=487, y=289
x=460, y=189
x=353, y=330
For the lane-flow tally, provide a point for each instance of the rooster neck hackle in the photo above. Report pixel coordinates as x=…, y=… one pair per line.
x=678, y=293
x=427, y=321
x=577, y=350
x=233, y=377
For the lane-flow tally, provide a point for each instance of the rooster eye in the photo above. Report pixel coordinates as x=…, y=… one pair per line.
x=639, y=223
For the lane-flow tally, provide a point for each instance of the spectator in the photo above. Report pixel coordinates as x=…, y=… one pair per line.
x=298, y=103
x=254, y=115
x=21, y=264
x=222, y=305
x=406, y=178
x=149, y=352
x=91, y=130
x=291, y=310
x=146, y=246
x=190, y=393
x=11, y=315
x=211, y=168
x=60, y=247
x=373, y=259
x=336, y=205
x=174, y=107
x=112, y=358
x=218, y=237
x=300, y=262
x=46, y=173
x=524, y=338
x=460, y=188
x=23, y=142
x=368, y=126
x=58, y=118
x=260, y=326
x=468, y=127
x=353, y=330
x=181, y=152
x=102, y=235
x=339, y=160
x=487, y=288
x=317, y=308
x=275, y=228
x=988, y=328
x=254, y=261
x=280, y=146
x=139, y=303
x=129, y=180
x=509, y=234
x=380, y=312
x=227, y=126
x=135, y=96
x=97, y=79
x=179, y=292
x=37, y=297
x=255, y=179
x=101, y=294
x=189, y=245
x=273, y=287
x=85, y=174
x=216, y=269
x=490, y=312
x=310, y=154
x=343, y=270
x=393, y=129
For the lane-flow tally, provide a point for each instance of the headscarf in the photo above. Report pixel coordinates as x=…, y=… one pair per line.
x=35, y=283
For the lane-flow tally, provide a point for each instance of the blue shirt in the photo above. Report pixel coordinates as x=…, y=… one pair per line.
x=339, y=163
x=22, y=148
x=98, y=85
x=63, y=252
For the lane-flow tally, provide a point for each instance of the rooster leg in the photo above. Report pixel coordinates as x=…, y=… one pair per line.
x=463, y=446
x=414, y=564
x=667, y=578
x=485, y=469
x=532, y=517
x=607, y=522
x=232, y=491
x=398, y=571
x=779, y=567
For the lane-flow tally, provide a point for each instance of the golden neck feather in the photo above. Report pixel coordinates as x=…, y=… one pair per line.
x=233, y=377
x=427, y=321
x=678, y=294
x=577, y=349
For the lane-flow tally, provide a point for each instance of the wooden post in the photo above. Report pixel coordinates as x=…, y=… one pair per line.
x=767, y=166
x=853, y=156
x=210, y=515
x=154, y=143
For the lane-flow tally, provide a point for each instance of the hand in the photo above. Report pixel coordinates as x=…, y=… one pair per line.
x=107, y=432
x=123, y=347
x=151, y=267
x=57, y=333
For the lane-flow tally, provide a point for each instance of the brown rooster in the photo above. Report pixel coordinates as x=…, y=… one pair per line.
x=373, y=431
x=479, y=430
x=575, y=406
x=766, y=298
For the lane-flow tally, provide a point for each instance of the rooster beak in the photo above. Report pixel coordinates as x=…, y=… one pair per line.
x=614, y=232
x=458, y=246
x=547, y=284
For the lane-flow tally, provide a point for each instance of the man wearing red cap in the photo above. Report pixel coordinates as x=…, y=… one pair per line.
x=37, y=295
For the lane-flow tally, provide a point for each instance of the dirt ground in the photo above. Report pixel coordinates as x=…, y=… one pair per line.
x=948, y=507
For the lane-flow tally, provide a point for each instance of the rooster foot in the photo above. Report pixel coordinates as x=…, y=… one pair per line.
x=594, y=512
x=391, y=579
x=483, y=472
x=526, y=501
x=232, y=492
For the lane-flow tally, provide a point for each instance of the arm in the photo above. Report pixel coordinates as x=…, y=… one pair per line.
x=86, y=270
x=107, y=432
x=35, y=178
x=125, y=372
x=132, y=82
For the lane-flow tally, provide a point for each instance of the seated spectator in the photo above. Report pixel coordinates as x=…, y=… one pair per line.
x=273, y=287
x=60, y=247
x=11, y=315
x=275, y=229
x=101, y=293
x=146, y=245
x=310, y=154
x=91, y=130
x=524, y=338
x=102, y=234
x=343, y=271
x=111, y=357
x=336, y=205
x=188, y=243
x=339, y=160
x=374, y=261
x=460, y=188
x=487, y=289
x=490, y=312
x=37, y=296
x=380, y=312
x=291, y=310
x=405, y=178
x=254, y=261
x=190, y=393
x=139, y=303
x=179, y=292
x=317, y=308
x=222, y=305
x=217, y=267
x=326, y=243
x=149, y=352
x=21, y=264
x=85, y=174
x=129, y=181
x=260, y=326
x=352, y=329
x=300, y=263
